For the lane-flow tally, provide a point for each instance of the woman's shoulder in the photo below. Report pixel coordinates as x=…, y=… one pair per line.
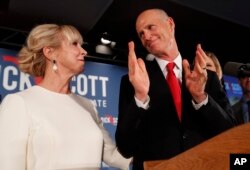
x=83, y=100
x=88, y=104
x=20, y=93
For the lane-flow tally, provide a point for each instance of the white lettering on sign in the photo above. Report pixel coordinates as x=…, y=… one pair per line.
x=83, y=82
x=14, y=79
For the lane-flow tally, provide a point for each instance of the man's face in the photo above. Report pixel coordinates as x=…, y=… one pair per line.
x=155, y=31
x=245, y=84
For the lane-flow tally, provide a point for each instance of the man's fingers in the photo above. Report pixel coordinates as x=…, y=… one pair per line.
x=202, y=57
x=186, y=66
x=200, y=60
x=131, y=50
x=201, y=51
x=131, y=57
x=141, y=65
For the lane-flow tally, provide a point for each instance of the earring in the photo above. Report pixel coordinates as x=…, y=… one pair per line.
x=54, y=65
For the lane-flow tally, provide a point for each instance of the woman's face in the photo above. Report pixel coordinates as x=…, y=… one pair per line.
x=70, y=58
x=210, y=64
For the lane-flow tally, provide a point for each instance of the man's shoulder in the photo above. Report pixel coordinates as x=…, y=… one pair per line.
x=237, y=105
x=125, y=76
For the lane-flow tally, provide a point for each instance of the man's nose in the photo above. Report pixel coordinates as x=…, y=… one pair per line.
x=147, y=35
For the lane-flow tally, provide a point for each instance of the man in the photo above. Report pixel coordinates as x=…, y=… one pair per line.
x=242, y=107
x=149, y=127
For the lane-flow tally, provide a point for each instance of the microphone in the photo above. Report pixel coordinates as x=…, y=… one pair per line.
x=150, y=57
x=237, y=69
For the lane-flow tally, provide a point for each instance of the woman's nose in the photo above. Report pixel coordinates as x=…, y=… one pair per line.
x=83, y=52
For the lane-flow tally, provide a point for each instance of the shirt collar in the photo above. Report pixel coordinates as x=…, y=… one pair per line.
x=178, y=62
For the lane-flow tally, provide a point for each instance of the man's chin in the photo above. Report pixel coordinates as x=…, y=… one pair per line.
x=154, y=51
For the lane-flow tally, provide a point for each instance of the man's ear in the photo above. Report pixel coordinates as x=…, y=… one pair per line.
x=171, y=23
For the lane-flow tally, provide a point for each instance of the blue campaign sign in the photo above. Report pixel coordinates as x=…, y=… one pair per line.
x=12, y=80
x=233, y=89
x=99, y=82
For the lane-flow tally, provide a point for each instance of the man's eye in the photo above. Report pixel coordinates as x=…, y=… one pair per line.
x=75, y=43
x=141, y=34
x=150, y=27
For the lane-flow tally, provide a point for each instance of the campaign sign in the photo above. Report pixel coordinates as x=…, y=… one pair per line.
x=233, y=89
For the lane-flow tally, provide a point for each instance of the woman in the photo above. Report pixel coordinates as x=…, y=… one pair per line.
x=213, y=64
x=47, y=126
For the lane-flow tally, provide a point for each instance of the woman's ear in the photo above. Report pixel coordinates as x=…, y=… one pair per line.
x=47, y=51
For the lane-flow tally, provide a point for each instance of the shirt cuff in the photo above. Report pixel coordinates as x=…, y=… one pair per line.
x=198, y=106
x=144, y=105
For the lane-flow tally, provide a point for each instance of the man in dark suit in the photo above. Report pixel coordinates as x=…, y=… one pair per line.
x=242, y=107
x=148, y=125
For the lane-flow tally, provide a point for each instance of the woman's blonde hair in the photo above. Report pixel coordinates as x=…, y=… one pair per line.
x=216, y=63
x=31, y=58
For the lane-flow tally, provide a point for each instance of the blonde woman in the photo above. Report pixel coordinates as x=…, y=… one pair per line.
x=213, y=64
x=47, y=126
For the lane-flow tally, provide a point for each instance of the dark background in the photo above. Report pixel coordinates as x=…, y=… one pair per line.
x=221, y=26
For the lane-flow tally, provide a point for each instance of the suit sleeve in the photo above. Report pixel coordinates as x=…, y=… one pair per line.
x=218, y=113
x=14, y=127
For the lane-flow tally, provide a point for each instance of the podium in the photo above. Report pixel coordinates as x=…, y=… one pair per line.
x=211, y=154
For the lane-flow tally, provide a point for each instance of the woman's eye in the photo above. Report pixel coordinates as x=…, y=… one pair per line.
x=75, y=43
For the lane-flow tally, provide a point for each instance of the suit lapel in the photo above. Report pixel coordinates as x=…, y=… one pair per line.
x=157, y=79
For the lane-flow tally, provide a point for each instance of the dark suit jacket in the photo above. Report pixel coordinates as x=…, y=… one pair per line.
x=156, y=133
x=238, y=111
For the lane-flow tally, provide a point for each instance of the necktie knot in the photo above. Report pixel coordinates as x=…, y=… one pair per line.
x=170, y=66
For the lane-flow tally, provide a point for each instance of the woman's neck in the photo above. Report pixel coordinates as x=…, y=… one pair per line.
x=56, y=84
